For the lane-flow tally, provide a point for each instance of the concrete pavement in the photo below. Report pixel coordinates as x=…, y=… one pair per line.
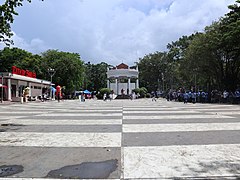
x=120, y=139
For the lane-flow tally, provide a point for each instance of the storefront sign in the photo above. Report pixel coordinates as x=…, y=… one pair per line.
x=18, y=71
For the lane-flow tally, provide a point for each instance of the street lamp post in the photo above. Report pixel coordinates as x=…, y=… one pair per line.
x=2, y=90
x=162, y=82
x=51, y=73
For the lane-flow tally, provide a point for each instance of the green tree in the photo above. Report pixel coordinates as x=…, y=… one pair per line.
x=229, y=28
x=214, y=55
x=201, y=64
x=17, y=57
x=176, y=54
x=69, y=69
x=154, y=71
x=95, y=76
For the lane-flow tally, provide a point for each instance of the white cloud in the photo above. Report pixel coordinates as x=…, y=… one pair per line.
x=112, y=31
x=36, y=45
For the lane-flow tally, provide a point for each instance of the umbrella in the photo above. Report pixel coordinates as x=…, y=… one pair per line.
x=86, y=92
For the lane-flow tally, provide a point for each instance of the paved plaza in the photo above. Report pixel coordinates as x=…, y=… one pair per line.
x=120, y=139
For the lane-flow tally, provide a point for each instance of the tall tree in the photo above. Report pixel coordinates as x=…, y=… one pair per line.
x=201, y=64
x=68, y=67
x=176, y=54
x=13, y=57
x=230, y=46
x=154, y=71
x=95, y=76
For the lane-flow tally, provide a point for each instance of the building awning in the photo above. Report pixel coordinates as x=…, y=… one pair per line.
x=3, y=86
x=27, y=79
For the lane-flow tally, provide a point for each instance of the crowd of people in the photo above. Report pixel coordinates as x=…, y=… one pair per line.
x=214, y=96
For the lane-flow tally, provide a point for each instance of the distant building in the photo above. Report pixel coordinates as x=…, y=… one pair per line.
x=122, y=79
x=15, y=82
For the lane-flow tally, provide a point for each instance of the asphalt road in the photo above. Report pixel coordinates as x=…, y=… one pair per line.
x=119, y=139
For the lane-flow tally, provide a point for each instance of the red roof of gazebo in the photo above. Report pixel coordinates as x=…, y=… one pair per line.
x=122, y=66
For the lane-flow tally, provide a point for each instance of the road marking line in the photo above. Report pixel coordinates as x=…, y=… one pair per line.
x=60, y=139
x=203, y=116
x=65, y=122
x=161, y=112
x=128, y=128
x=181, y=161
x=80, y=114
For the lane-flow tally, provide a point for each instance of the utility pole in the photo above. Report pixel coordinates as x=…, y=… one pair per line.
x=195, y=88
x=162, y=82
x=51, y=73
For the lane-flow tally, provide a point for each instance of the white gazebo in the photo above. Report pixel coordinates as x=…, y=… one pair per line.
x=122, y=79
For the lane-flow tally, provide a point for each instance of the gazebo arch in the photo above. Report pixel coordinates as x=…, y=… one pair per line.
x=122, y=78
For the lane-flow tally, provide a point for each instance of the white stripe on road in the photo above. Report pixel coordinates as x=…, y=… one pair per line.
x=217, y=110
x=181, y=161
x=11, y=117
x=177, y=117
x=226, y=113
x=81, y=114
x=93, y=111
x=65, y=122
x=161, y=112
x=143, y=109
x=21, y=112
x=180, y=127
x=60, y=139
x=47, y=179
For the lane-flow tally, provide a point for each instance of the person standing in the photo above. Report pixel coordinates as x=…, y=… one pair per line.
x=58, y=92
x=185, y=97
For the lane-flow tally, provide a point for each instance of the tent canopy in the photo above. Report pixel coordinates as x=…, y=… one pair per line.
x=86, y=92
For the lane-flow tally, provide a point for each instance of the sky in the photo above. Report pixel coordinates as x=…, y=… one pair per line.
x=112, y=31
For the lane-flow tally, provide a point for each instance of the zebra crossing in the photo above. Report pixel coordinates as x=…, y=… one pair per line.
x=148, y=140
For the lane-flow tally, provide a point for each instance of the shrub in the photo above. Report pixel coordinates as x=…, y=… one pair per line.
x=99, y=96
x=102, y=92
x=148, y=95
x=142, y=91
x=105, y=90
x=137, y=90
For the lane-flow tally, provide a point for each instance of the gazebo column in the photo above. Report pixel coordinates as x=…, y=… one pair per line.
x=108, y=84
x=129, y=86
x=17, y=89
x=116, y=86
x=137, y=83
x=9, y=90
x=30, y=89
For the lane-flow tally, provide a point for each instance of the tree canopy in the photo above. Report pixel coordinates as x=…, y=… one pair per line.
x=95, y=76
x=210, y=59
